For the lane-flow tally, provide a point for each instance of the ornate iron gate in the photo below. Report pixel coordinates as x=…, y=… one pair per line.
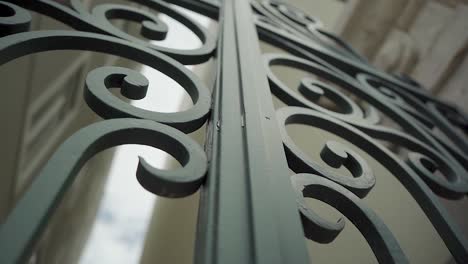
x=248, y=211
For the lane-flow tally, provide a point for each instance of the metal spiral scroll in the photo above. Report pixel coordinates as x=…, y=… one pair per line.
x=98, y=20
x=400, y=99
x=127, y=124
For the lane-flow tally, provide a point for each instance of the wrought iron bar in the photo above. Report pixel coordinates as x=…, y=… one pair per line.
x=248, y=209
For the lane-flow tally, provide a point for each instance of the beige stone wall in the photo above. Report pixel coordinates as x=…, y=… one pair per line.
x=426, y=39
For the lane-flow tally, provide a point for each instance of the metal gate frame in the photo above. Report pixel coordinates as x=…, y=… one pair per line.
x=251, y=210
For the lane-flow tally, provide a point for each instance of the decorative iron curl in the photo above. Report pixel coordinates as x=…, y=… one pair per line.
x=384, y=100
x=311, y=90
x=209, y=8
x=431, y=113
x=151, y=26
x=302, y=25
x=349, y=64
x=134, y=85
x=38, y=203
x=13, y=19
x=426, y=199
x=454, y=115
x=454, y=186
x=400, y=98
x=48, y=188
x=455, y=168
x=453, y=123
x=17, y=45
x=379, y=237
x=333, y=154
x=289, y=13
x=97, y=21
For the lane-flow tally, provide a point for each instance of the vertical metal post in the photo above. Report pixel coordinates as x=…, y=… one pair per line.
x=248, y=211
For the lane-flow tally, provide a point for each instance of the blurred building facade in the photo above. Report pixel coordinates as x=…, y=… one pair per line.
x=424, y=39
